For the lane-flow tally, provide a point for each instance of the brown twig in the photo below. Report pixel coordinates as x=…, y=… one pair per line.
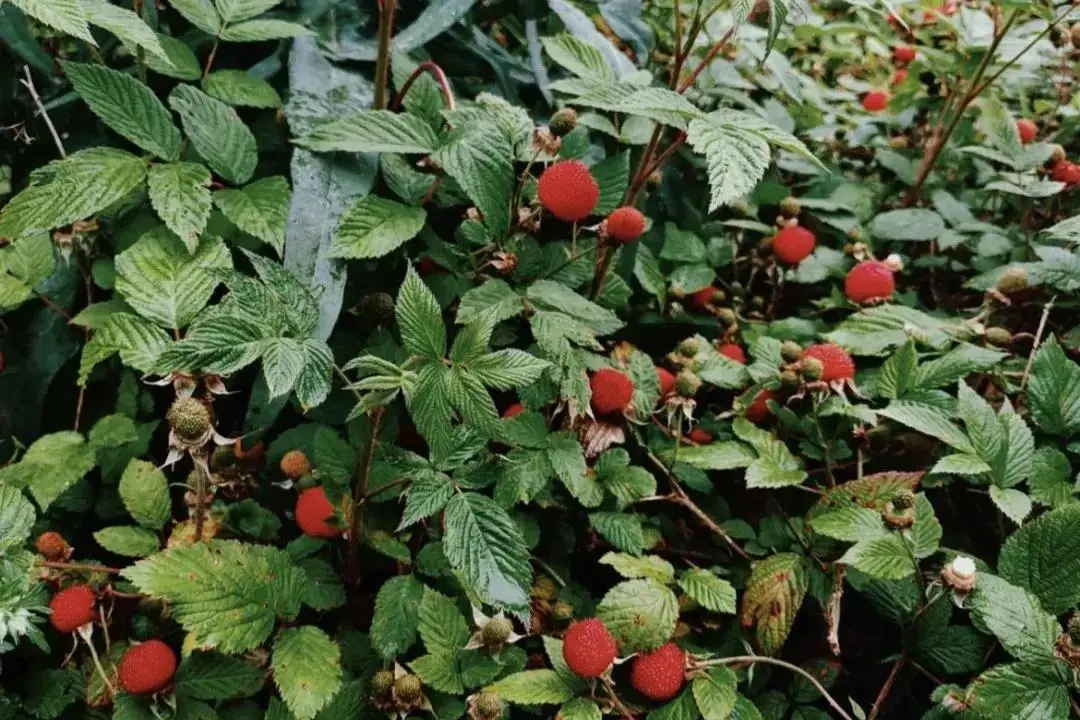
x=440, y=78
x=202, y=480
x=382, y=62
x=752, y=659
x=613, y=698
x=360, y=492
x=888, y=686
x=709, y=56
x=832, y=610
x=81, y=567
x=28, y=83
x=1038, y=340
x=607, y=255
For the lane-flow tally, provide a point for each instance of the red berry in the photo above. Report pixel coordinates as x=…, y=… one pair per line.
x=734, y=352
x=1066, y=171
x=625, y=225
x=702, y=299
x=835, y=361
x=759, y=407
x=899, y=76
x=659, y=675
x=568, y=190
x=588, y=648
x=612, y=391
x=793, y=244
x=869, y=280
x=1028, y=130
x=515, y=409
x=699, y=436
x=666, y=380
x=313, y=510
x=429, y=267
x=903, y=54
x=147, y=668
x=875, y=100
x=72, y=608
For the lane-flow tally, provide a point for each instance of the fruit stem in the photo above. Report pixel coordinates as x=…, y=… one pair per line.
x=440, y=77
x=382, y=62
x=1038, y=340
x=888, y=686
x=83, y=567
x=96, y=660
x=360, y=489
x=751, y=659
x=210, y=59
x=616, y=703
x=607, y=256
x=202, y=477
x=712, y=53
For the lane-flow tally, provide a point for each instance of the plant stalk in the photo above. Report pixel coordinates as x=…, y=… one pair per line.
x=382, y=62
x=360, y=492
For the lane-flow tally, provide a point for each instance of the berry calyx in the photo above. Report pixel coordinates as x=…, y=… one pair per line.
x=793, y=244
x=733, y=351
x=189, y=419
x=612, y=391
x=313, y=511
x=666, y=380
x=588, y=648
x=625, y=225
x=295, y=465
x=903, y=54
x=869, y=280
x=147, y=668
x=659, y=675
x=52, y=545
x=875, y=100
x=72, y=608
x=515, y=409
x=1066, y=171
x=758, y=410
x=835, y=361
x=1027, y=130
x=568, y=190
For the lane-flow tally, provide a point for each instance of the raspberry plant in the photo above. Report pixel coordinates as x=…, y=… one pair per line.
x=668, y=360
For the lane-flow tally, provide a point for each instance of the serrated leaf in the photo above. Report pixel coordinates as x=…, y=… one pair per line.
x=420, y=318
x=579, y=709
x=263, y=29
x=578, y=57
x=67, y=16
x=534, y=687
x=163, y=282
x=51, y=465
x=241, y=88
x=372, y=131
x=647, y=566
x=145, y=493
x=375, y=227
x=217, y=133
x=775, y=465
x=898, y=372
x=926, y=531
x=1022, y=691
x=127, y=26
x=960, y=464
x=1044, y=558
x=17, y=518
x=180, y=62
x=180, y=195
x=485, y=545
x=259, y=209
x=439, y=672
x=774, y=593
x=428, y=494
x=478, y=157
x=655, y=103
x=887, y=557
x=725, y=455
x=737, y=159
x=850, y=524
x=442, y=627
x=396, y=619
x=323, y=589
x=495, y=296
x=876, y=330
x=928, y=420
x=232, y=11
x=1054, y=391
x=1014, y=616
x=910, y=224
x=1050, y=475
x=1014, y=504
x=622, y=530
x=640, y=614
x=200, y=13
x=955, y=365
x=715, y=693
x=211, y=676
x=508, y=369
x=128, y=541
x=711, y=592
x=559, y=298
x=24, y=267
x=613, y=176
x=307, y=669
x=568, y=462
x=139, y=343
x=226, y=593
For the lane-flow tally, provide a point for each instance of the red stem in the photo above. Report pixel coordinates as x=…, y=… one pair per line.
x=713, y=52
x=440, y=78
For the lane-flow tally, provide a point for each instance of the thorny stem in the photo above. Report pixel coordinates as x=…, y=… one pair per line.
x=210, y=59
x=888, y=686
x=440, y=78
x=616, y=703
x=752, y=659
x=607, y=256
x=83, y=567
x=382, y=62
x=712, y=53
x=1038, y=340
x=28, y=83
x=202, y=480
x=360, y=490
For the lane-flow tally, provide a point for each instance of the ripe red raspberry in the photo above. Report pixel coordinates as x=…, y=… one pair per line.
x=734, y=352
x=659, y=675
x=869, y=280
x=313, y=510
x=702, y=299
x=666, y=380
x=759, y=407
x=1066, y=171
x=72, y=608
x=875, y=100
x=793, y=244
x=899, y=77
x=588, y=648
x=625, y=225
x=903, y=54
x=515, y=409
x=835, y=361
x=147, y=668
x=568, y=190
x=612, y=391
x=699, y=436
x=1028, y=130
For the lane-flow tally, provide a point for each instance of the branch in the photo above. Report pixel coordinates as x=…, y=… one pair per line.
x=712, y=53
x=887, y=687
x=751, y=659
x=29, y=84
x=382, y=63
x=440, y=78
x=82, y=567
x=1038, y=340
x=360, y=493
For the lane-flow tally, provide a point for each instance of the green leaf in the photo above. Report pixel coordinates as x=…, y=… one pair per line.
x=51, y=465
x=263, y=29
x=494, y=296
x=579, y=709
x=1044, y=557
x=568, y=462
x=485, y=546
x=960, y=464
x=646, y=566
x=428, y=494
x=508, y=369
x=926, y=531
x=180, y=194
x=655, y=103
x=24, y=267
x=200, y=13
x=323, y=590
x=908, y=224
x=217, y=133
x=579, y=58
x=1024, y=691
x=711, y=592
x=138, y=341
x=372, y=131
x=534, y=687
x=1014, y=504
x=622, y=530
x=145, y=493
x=232, y=11
x=613, y=176
x=375, y=227
x=74, y=188
x=429, y=406
x=737, y=158
x=1014, y=616
x=128, y=541
x=1050, y=475
x=954, y=366
x=928, y=420
x=307, y=669
x=67, y=16
x=226, y=593
x=163, y=282
x=125, y=25
x=725, y=455
x=876, y=330
x=888, y=557
x=180, y=62
x=211, y=676
x=420, y=318
x=640, y=614
x=478, y=157
x=241, y=88
x=897, y=374
x=127, y=106
x=559, y=298
x=394, y=625
x=715, y=693
x=850, y=524
x=442, y=626
x=17, y=518
x=471, y=400
x=774, y=593
x=259, y=209
x=775, y=466
x=1054, y=391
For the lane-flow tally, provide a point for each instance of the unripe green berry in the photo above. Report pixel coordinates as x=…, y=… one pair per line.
x=1014, y=279
x=757, y=302
x=382, y=683
x=563, y=121
x=496, y=632
x=998, y=336
x=727, y=317
x=407, y=689
x=904, y=500
x=791, y=351
x=487, y=706
x=790, y=206
x=379, y=308
x=811, y=368
x=189, y=419
x=687, y=383
x=562, y=612
x=789, y=379
x=690, y=347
